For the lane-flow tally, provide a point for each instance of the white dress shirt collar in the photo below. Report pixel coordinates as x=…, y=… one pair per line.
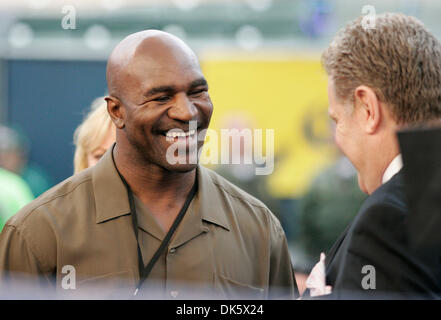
x=393, y=168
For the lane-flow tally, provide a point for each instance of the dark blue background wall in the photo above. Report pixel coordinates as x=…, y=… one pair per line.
x=47, y=100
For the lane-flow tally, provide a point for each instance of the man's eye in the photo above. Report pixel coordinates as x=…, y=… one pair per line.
x=162, y=99
x=198, y=92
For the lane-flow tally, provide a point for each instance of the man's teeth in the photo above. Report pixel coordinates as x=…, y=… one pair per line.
x=174, y=134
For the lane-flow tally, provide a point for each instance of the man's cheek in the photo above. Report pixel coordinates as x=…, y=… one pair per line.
x=338, y=140
x=361, y=183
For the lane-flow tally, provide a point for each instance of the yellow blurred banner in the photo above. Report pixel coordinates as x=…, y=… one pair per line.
x=288, y=95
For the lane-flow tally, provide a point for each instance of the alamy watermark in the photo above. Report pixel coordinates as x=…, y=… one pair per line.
x=69, y=281
x=244, y=146
x=368, y=282
x=369, y=16
x=69, y=20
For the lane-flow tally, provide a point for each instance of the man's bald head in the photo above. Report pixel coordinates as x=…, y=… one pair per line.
x=156, y=85
x=146, y=48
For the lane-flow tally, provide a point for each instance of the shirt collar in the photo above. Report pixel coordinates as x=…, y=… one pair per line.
x=393, y=168
x=212, y=201
x=111, y=199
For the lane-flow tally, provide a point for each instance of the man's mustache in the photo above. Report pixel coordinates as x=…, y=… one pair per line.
x=180, y=126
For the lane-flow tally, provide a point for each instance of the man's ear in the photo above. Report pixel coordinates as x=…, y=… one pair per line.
x=369, y=106
x=116, y=111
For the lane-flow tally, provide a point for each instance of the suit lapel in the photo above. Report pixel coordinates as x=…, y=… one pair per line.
x=331, y=254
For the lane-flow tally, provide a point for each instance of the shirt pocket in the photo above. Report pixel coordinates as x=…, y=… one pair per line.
x=114, y=285
x=232, y=289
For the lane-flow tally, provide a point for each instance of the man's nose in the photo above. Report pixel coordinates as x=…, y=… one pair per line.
x=183, y=108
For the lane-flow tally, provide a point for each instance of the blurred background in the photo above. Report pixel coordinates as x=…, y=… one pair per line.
x=261, y=59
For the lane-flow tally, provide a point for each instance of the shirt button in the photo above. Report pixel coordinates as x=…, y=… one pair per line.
x=174, y=294
x=172, y=250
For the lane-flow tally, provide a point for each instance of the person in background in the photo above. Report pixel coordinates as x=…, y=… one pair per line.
x=93, y=136
x=14, y=192
x=381, y=81
x=243, y=174
x=14, y=157
x=14, y=195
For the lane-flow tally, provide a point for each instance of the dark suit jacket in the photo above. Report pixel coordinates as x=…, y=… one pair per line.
x=378, y=236
x=421, y=150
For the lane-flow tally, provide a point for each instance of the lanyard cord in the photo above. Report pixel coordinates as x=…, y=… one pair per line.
x=144, y=270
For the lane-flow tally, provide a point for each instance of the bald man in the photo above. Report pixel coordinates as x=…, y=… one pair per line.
x=149, y=221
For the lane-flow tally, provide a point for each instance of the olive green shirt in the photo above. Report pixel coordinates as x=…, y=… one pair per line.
x=77, y=240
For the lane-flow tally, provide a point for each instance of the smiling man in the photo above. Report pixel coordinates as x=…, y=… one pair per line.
x=138, y=223
x=380, y=80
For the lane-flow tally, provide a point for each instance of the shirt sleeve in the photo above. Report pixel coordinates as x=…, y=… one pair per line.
x=282, y=280
x=21, y=274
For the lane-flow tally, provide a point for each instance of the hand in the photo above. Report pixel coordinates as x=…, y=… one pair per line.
x=316, y=282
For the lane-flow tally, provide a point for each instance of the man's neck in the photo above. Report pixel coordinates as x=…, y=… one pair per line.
x=383, y=151
x=150, y=182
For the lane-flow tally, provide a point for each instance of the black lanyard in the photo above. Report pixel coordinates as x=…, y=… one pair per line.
x=144, y=270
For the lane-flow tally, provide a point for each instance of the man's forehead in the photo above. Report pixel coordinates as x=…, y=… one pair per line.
x=169, y=76
x=151, y=58
x=164, y=63
x=165, y=50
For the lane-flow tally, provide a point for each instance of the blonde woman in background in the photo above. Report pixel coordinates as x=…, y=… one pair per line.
x=93, y=136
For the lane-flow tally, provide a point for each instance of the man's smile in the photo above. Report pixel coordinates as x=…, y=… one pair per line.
x=178, y=133
x=179, y=138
